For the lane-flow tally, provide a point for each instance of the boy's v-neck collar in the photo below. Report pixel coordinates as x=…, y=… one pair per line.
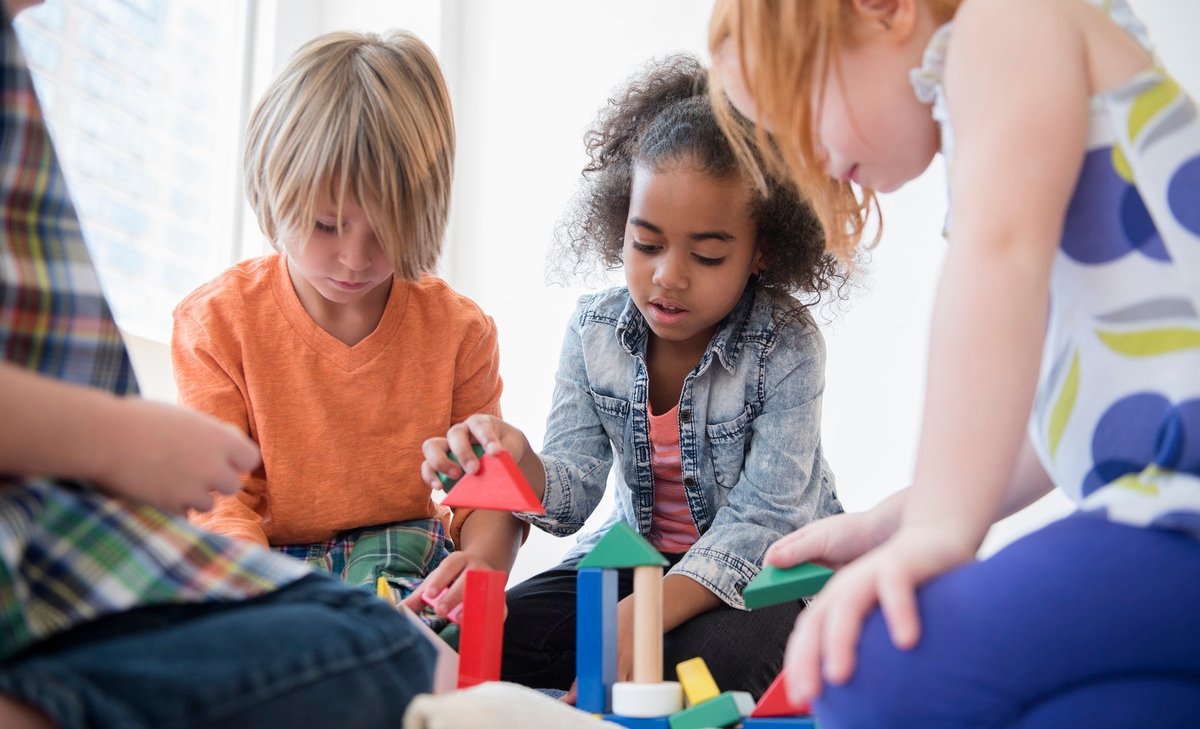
x=322, y=342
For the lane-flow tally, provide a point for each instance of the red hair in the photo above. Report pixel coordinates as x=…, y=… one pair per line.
x=785, y=50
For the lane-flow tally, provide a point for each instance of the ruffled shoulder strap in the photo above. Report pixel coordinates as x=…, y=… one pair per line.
x=927, y=79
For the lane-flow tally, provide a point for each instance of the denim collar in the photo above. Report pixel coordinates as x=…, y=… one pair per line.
x=726, y=344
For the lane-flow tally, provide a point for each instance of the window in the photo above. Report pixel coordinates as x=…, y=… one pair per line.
x=144, y=100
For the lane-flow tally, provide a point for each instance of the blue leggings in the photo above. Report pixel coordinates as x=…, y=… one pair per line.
x=1084, y=623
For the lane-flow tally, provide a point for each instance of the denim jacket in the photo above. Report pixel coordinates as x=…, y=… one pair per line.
x=749, y=434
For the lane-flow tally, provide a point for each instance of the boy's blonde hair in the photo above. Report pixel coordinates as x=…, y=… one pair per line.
x=785, y=49
x=358, y=115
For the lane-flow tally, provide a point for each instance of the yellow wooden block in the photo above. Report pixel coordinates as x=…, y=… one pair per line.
x=698, y=683
x=384, y=590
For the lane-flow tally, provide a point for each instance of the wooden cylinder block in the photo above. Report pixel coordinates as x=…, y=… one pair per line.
x=647, y=625
x=647, y=700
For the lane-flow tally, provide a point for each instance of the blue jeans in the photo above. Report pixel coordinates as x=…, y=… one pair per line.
x=315, y=653
x=1084, y=623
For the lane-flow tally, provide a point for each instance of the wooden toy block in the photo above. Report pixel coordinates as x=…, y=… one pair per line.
x=645, y=700
x=647, y=624
x=773, y=585
x=384, y=590
x=595, y=639
x=697, y=680
x=774, y=702
x=620, y=547
x=781, y=722
x=482, y=635
x=637, y=722
x=498, y=485
x=727, y=709
x=447, y=482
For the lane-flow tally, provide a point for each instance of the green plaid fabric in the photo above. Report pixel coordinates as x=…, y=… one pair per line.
x=403, y=553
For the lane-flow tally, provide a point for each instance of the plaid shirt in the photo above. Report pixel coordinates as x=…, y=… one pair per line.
x=68, y=553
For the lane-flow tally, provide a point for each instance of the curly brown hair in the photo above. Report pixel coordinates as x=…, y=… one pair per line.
x=663, y=116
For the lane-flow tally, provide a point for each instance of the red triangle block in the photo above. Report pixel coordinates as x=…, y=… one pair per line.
x=498, y=485
x=775, y=702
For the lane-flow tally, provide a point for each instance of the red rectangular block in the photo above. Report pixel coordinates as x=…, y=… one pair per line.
x=482, y=621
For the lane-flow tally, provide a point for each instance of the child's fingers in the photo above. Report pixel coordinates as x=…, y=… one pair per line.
x=459, y=440
x=792, y=549
x=435, y=451
x=847, y=611
x=414, y=602
x=229, y=482
x=435, y=589
x=244, y=454
x=449, y=603
x=417, y=599
x=572, y=694
x=487, y=430
x=200, y=502
x=898, y=601
x=429, y=476
x=802, y=659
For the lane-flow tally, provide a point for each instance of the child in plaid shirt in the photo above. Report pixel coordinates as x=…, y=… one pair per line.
x=114, y=610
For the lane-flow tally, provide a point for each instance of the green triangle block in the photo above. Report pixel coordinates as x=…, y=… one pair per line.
x=622, y=547
x=773, y=585
x=447, y=482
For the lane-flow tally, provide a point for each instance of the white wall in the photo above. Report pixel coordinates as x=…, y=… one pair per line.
x=527, y=78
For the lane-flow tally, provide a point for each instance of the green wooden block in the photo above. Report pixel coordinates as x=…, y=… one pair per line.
x=622, y=547
x=726, y=709
x=447, y=482
x=773, y=585
x=450, y=635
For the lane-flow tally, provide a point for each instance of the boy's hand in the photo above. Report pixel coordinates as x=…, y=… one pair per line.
x=171, y=457
x=447, y=582
x=494, y=435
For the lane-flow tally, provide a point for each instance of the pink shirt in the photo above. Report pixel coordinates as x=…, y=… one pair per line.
x=672, y=531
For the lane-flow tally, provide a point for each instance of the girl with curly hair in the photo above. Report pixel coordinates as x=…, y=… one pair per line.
x=697, y=386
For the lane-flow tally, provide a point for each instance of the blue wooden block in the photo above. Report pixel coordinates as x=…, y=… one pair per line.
x=780, y=722
x=595, y=639
x=634, y=722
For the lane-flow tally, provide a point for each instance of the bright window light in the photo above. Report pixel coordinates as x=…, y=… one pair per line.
x=144, y=99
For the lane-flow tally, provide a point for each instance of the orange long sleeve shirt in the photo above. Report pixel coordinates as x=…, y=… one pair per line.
x=340, y=427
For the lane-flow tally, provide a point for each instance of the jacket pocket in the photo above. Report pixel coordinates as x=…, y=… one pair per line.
x=729, y=445
x=614, y=415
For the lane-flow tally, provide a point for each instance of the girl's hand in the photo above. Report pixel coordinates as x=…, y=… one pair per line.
x=494, y=435
x=491, y=432
x=171, y=457
x=826, y=637
x=838, y=540
x=447, y=582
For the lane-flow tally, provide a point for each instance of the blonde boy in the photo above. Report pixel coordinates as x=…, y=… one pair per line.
x=339, y=354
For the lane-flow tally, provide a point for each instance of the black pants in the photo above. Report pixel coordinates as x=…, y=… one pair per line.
x=743, y=650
